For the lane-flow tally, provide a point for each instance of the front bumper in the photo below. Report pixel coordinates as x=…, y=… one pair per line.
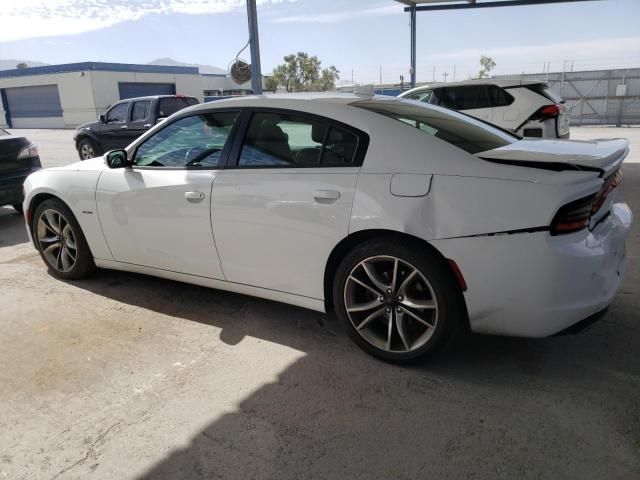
x=535, y=284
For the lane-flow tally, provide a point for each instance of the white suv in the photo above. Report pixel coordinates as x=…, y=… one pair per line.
x=527, y=108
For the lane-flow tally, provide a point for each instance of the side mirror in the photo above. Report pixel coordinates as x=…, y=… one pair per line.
x=117, y=159
x=102, y=118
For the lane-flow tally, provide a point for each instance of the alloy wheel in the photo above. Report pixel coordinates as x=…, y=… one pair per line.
x=57, y=240
x=86, y=151
x=391, y=304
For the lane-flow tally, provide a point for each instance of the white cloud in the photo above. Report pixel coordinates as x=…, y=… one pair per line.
x=339, y=16
x=42, y=18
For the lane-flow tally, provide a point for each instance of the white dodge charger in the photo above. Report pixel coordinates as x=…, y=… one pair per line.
x=409, y=220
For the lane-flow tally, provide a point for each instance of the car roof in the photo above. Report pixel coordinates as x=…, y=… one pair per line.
x=152, y=97
x=500, y=82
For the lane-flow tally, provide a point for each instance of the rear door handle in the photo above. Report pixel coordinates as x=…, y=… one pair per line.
x=326, y=194
x=123, y=127
x=147, y=125
x=194, y=196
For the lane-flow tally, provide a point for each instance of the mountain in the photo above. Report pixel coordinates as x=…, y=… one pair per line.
x=10, y=63
x=175, y=63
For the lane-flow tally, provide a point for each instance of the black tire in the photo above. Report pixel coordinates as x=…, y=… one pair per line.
x=87, y=149
x=83, y=264
x=434, y=279
x=17, y=207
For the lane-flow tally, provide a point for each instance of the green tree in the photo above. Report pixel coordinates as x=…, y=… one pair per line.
x=486, y=64
x=302, y=72
x=270, y=84
x=22, y=65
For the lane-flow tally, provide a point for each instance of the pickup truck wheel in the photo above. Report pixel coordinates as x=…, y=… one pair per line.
x=87, y=149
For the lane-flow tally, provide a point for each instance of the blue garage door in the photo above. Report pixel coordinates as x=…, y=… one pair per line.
x=29, y=102
x=142, y=89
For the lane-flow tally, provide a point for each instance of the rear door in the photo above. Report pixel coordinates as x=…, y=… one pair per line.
x=285, y=200
x=140, y=118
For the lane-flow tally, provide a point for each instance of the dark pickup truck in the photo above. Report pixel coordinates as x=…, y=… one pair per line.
x=125, y=121
x=18, y=158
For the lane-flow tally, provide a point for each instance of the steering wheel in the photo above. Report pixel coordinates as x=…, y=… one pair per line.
x=200, y=156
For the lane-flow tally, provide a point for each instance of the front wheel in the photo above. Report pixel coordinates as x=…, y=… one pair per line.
x=87, y=149
x=60, y=241
x=397, y=301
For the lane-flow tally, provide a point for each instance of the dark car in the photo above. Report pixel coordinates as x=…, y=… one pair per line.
x=18, y=158
x=125, y=121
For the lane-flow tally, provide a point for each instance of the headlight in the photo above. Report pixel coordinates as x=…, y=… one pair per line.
x=30, y=150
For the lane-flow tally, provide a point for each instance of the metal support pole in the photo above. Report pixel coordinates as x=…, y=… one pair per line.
x=413, y=46
x=256, y=72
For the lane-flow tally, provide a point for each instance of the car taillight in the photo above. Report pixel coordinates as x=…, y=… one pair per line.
x=573, y=216
x=28, y=151
x=548, y=111
x=576, y=215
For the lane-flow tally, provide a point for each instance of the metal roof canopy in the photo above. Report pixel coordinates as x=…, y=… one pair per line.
x=414, y=6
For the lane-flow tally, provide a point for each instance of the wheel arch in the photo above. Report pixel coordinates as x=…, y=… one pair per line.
x=34, y=202
x=91, y=136
x=356, y=238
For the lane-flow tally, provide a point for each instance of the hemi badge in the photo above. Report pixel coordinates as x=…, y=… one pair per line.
x=88, y=211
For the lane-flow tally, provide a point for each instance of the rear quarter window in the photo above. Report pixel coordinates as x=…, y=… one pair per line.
x=169, y=106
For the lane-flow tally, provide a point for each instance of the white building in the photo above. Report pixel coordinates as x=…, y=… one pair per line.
x=65, y=96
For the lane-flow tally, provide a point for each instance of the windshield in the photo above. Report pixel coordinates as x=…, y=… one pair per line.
x=459, y=130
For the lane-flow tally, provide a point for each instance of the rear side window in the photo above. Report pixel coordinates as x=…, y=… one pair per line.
x=499, y=97
x=461, y=131
x=289, y=141
x=545, y=91
x=140, y=110
x=422, y=96
x=170, y=105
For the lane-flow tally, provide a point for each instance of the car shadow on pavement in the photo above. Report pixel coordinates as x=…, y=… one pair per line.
x=523, y=407
x=12, y=229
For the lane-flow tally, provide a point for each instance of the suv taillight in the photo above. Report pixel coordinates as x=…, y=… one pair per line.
x=576, y=215
x=548, y=111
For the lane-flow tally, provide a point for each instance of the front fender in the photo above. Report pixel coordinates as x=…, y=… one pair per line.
x=77, y=189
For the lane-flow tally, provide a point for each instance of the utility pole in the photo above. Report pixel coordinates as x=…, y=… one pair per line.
x=352, y=76
x=434, y=74
x=454, y=73
x=256, y=72
x=445, y=75
x=380, y=74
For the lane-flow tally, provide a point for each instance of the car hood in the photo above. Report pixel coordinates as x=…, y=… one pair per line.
x=94, y=164
x=604, y=155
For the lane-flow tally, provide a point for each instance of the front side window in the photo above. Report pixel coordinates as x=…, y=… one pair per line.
x=459, y=130
x=283, y=140
x=140, y=111
x=195, y=141
x=118, y=114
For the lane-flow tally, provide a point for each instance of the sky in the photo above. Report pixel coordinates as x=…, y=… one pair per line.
x=367, y=40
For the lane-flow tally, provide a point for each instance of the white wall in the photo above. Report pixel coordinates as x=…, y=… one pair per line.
x=76, y=98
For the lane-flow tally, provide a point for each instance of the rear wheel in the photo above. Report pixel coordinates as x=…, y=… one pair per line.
x=60, y=241
x=397, y=301
x=87, y=149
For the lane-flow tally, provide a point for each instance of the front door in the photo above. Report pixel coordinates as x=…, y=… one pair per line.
x=157, y=213
x=286, y=202
x=114, y=132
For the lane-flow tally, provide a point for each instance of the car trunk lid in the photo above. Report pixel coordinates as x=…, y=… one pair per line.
x=10, y=146
x=604, y=156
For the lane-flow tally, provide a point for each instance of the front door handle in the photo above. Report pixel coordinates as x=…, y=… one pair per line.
x=123, y=127
x=194, y=196
x=326, y=194
x=147, y=125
